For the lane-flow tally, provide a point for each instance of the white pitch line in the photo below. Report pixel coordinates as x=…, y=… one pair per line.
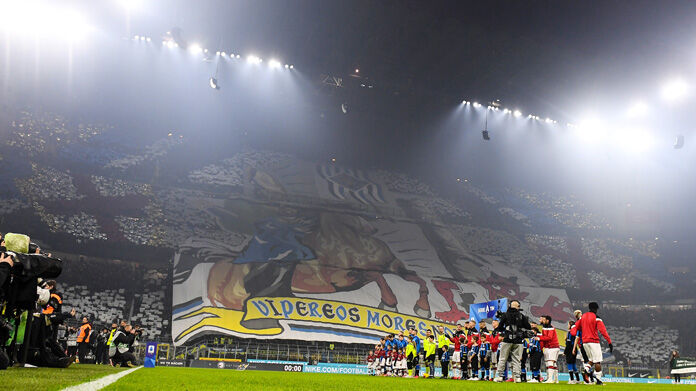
x=101, y=382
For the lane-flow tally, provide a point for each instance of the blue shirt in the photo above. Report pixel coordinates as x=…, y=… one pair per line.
x=534, y=345
x=401, y=344
x=418, y=343
x=484, y=348
x=570, y=339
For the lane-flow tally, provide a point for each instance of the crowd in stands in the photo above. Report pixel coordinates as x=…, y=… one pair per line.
x=109, y=187
x=81, y=226
x=603, y=282
x=493, y=242
x=566, y=210
x=644, y=346
x=662, y=285
x=599, y=252
x=401, y=183
x=646, y=248
x=556, y=243
x=230, y=172
x=47, y=183
x=156, y=150
x=117, y=290
x=11, y=205
x=36, y=131
x=507, y=211
x=436, y=208
x=183, y=214
x=136, y=229
x=549, y=271
x=482, y=195
x=102, y=306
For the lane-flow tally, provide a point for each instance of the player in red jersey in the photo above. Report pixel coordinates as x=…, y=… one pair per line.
x=590, y=326
x=550, y=347
x=370, y=362
x=456, y=356
x=494, y=338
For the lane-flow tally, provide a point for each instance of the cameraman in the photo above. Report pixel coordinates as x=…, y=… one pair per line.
x=515, y=328
x=119, y=350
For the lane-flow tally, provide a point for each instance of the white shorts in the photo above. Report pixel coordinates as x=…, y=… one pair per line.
x=551, y=354
x=456, y=357
x=402, y=364
x=594, y=352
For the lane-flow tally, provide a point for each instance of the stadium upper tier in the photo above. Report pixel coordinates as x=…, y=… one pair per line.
x=261, y=224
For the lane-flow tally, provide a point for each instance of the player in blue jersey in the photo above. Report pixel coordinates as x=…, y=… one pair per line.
x=536, y=355
x=571, y=355
x=485, y=356
x=417, y=343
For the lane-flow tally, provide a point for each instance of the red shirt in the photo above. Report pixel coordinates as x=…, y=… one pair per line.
x=590, y=326
x=370, y=358
x=470, y=338
x=548, y=338
x=457, y=344
x=494, y=340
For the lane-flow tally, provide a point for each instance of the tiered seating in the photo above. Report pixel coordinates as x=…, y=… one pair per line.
x=101, y=306
x=647, y=346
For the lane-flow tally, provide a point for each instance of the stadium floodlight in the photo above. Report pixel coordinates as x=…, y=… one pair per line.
x=548, y=120
x=287, y=66
x=217, y=53
x=148, y=39
x=634, y=140
x=675, y=90
x=517, y=113
x=239, y=56
x=506, y=111
x=476, y=105
x=637, y=109
x=142, y=38
x=274, y=64
x=195, y=48
x=251, y=59
x=223, y=54
x=130, y=5
x=137, y=37
x=43, y=19
x=292, y=67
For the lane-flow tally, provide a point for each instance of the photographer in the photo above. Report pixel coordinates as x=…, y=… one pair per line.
x=119, y=350
x=515, y=328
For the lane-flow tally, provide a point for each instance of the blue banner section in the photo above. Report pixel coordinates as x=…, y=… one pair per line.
x=486, y=310
x=150, y=355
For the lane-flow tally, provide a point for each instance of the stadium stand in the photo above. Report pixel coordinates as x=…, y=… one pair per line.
x=126, y=218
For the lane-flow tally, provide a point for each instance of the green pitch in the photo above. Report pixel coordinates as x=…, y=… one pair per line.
x=164, y=378
x=47, y=379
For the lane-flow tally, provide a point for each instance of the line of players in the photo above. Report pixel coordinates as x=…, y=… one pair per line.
x=475, y=355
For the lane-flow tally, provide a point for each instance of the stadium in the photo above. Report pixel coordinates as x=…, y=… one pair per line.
x=330, y=195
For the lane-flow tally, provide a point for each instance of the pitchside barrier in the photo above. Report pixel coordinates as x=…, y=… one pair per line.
x=355, y=369
x=328, y=358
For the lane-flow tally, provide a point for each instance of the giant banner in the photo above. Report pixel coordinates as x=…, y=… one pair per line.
x=323, y=274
